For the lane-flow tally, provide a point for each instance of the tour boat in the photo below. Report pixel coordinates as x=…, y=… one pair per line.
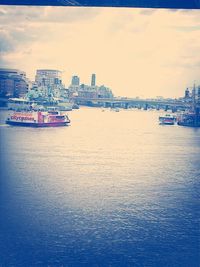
x=167, y=119
x=38, y=119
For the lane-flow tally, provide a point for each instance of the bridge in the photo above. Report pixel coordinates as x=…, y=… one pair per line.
x=133, y=103
x=123, y=102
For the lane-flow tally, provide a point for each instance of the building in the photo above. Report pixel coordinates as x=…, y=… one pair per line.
x=49, y=82
x=88, y=94
x=104, y=92
x=93, y=80
x=75, y=81
x=74, y=86
x=13, y=83
x=187, y=93
x=48, y=77
x=88, y=91
x=85, y=91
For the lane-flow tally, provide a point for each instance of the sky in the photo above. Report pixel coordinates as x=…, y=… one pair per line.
x=135, y=52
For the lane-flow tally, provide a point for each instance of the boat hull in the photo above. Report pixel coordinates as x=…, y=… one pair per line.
x=167, y=120
x=37, y=125
x=167, y=123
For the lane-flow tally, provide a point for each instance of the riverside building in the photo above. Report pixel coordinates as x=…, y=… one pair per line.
x=13, y=83
x=74, y=86
x=88, y=91
x=75, y=81
x=49, y=82
x=93, y=80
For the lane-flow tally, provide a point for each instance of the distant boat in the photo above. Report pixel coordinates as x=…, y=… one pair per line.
x=20, y=104
x=64, y=105
x=115, y=109
x=167, y=119
x=75, y=106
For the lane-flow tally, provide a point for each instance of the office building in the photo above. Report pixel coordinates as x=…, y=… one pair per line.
x=75, y=81
x=48, y=77
x=93, y=80
x=49, y=82
x=13, y=83
x=187, y=93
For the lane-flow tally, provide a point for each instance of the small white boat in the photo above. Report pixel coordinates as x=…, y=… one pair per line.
x=167, y=119
x=115, y=109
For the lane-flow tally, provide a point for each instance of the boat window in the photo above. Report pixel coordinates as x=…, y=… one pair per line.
x=60, y=117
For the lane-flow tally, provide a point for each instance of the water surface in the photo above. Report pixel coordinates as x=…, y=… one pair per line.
x=113, y=189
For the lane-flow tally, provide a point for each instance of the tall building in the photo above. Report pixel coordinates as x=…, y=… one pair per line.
x=13, y=83
x=49, y=82
x=75, y=81
x=88, y=91
x=187, y=93
x=48, y=77
x=93, y=80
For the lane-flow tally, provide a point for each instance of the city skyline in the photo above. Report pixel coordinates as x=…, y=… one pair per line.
x=135, y=52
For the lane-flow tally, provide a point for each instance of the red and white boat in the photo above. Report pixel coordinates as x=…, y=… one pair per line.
x=167, y=119
x=38, y=119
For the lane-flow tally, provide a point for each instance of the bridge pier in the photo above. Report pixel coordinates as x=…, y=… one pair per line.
x=146, y=106
x=158, y=107
x=107, y=104
x=126, y=106
x=174, y=109
x=112, y=105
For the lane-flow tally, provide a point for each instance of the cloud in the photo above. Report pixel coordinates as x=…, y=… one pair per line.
x=148, y=11
x=4, y=63
x=23, y=26
x=187, y=28
x=133, y=51
x=31, y=14
x=69, y=15
x=14, y=38
x=6, y=42
x=20, y=15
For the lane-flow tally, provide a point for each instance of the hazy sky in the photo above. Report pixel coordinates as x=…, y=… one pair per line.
x=135, y=52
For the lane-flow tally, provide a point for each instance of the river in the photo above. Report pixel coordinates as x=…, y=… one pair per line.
x=114, y=189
